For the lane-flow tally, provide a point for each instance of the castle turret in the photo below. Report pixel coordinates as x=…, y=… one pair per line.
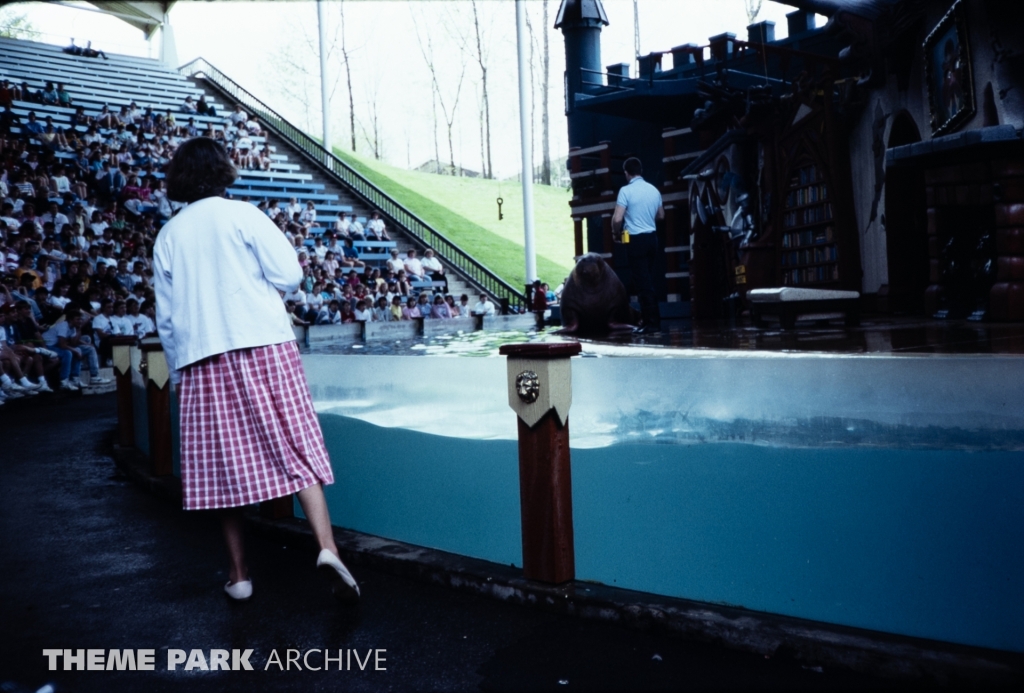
x=581, y=22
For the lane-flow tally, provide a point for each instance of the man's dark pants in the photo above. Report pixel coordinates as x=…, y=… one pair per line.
x=643, y=255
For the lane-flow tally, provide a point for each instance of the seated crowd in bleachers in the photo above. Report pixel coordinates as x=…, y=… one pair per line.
x=81, y=200
x=80, y=204
x=347, y=276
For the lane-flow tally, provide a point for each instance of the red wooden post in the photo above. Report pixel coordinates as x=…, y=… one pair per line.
x=158, y=400
x=121, y=348
x=540, y=392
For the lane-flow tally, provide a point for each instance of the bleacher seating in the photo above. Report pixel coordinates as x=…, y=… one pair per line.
x=120, y=81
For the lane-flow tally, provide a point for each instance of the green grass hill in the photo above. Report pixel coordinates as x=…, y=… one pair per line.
x=466, y=212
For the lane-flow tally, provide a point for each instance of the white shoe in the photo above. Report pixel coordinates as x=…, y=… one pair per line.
x=68, y=385
x=12, y=387
x=13, y=395
x=29, y=385
x=43, y=386
x=345, y=587
x=76, y=383
x=239, y=591
x=96, y=380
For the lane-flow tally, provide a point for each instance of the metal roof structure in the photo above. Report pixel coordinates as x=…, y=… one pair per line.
x=145, y=16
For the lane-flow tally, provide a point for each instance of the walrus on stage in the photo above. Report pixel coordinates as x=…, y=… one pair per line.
x=594, y=301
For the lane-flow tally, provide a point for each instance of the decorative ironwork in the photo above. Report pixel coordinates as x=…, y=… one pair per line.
x=528, y=386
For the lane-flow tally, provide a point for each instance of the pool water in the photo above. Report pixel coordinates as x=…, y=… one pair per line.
x=883, y=492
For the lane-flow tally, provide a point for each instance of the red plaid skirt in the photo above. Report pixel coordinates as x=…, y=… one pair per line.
x=248, y=429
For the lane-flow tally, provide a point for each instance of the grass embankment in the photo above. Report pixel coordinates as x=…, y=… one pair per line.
x=466, y=212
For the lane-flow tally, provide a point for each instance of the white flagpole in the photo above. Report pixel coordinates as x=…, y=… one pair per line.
x=526, y=135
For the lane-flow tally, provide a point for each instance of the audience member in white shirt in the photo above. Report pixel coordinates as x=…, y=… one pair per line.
x=413, y=267
x=483, y=306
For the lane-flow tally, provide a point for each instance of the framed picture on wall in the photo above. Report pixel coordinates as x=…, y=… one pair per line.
x=947, y=58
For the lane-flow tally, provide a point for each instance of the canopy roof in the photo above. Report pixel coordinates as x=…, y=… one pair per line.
x=146, y=16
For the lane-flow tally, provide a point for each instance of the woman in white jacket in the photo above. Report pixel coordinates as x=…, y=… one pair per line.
x=249, y=432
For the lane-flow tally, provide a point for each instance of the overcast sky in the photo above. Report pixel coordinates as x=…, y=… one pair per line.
x=269, y=48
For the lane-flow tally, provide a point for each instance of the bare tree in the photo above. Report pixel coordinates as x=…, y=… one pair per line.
x=481, y=59
x=15, y=25
x=348, y=78
x=449, y=114
x=295, y=79
x=753, y=8
x=297, y=69
x=448, y=110
x=433, y=111
x=374, y=134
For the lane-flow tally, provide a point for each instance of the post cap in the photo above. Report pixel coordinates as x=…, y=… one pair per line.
x=554, y=350
x=151, y=344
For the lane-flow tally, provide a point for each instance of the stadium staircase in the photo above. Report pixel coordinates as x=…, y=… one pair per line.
x=300, y=168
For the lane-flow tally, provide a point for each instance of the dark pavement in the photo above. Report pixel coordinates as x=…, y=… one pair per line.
x=90, y=560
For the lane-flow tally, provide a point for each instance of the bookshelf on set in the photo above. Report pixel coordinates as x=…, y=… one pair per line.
x=809, y=255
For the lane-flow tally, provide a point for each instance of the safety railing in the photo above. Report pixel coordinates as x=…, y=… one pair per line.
x=454, y=256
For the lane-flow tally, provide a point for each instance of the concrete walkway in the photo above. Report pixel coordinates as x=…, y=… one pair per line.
x=90, y=560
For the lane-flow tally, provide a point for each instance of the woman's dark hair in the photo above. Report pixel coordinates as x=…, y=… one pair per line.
x=200, y=168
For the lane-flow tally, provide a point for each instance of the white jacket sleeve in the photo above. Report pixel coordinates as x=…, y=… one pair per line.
x=164, y=300
x=276, y=256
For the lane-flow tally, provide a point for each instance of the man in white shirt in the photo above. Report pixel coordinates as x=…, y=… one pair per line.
x=375, y=228
x=120, y=322
x=141, y=324
x=239, y=116
x=362, y=312
x=7, y=216
x=293, y=208
x=319, y=249
x=394, y=262
x=298, y=297
x=413, y=266
x=51, y=250
x=54, y=215
x=483, y=306
x=102, y=325
x=434, y=267
x=90, y=206
x=355, y=230
x=343, y=225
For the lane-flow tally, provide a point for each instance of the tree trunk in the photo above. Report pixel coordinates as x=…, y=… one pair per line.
x=433, y=108
x=348, y=78
x=488, y=171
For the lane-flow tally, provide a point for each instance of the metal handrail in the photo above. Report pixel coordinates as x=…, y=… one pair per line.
x=358, y=184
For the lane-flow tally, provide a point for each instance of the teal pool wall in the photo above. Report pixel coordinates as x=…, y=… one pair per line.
x=850, y=505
